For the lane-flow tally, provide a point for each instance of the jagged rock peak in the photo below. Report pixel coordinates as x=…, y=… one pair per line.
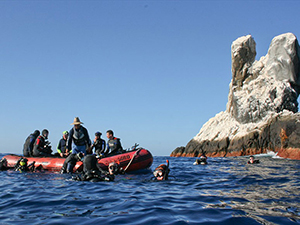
x=269, y=85
x=282, y=60
x=243, y=52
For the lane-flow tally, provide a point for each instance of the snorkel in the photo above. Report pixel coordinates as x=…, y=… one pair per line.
x=166, y=174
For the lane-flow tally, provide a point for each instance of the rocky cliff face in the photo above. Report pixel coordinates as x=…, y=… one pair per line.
x=261, y=113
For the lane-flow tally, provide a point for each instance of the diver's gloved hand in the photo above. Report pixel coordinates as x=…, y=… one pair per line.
x=80, y=156
x=100, y=156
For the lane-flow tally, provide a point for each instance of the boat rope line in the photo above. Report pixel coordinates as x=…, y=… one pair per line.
x=131, y=160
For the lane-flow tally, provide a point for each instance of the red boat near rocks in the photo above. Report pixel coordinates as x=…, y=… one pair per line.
x=130, y=161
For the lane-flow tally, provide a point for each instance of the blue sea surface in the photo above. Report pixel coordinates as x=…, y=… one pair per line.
x=226, y=191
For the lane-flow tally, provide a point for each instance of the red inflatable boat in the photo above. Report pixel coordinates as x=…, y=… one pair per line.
x=130, y=161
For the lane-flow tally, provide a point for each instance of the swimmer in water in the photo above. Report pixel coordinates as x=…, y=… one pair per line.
x=202, y=160
x=252, y=160
x=162, y=172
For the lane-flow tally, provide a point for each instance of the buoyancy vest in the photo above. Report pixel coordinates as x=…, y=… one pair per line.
x=114, y=145
x=78, y=136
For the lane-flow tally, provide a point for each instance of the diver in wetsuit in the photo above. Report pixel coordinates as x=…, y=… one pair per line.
x=42, y=146
x=252, y=160
x=29, y=142
x=99, y=145
x=3, y=164
x=22, y=165
x=70, y=162
x=79, y=142
x=202, y=160
x=62, y=145
x=162, y=171
x=93, y=172
x=113, y=144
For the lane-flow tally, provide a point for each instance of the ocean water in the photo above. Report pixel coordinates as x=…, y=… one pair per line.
x=226, y=191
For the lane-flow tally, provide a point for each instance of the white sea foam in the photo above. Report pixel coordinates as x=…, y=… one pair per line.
x=269, y=154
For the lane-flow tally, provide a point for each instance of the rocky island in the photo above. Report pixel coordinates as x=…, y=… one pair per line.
x=262, y=110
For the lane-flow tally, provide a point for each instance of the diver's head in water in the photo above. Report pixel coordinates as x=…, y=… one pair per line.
x=113, y=168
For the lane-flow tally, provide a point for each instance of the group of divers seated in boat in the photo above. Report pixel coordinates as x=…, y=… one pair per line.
x=75, y=146
x=72, y=142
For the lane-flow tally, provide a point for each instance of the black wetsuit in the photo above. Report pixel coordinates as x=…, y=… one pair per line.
x=22, y=165
x=39, y=148
x=69, y=163
x=92, y=171
x=99, y=146
x=62, y=146
x=114, y=145
x=90, y=163
x=28, y=145
x=3, y=164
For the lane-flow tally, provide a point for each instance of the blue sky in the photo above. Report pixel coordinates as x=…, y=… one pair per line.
x=152, y=71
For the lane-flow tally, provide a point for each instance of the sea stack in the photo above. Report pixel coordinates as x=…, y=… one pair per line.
x=262, y=108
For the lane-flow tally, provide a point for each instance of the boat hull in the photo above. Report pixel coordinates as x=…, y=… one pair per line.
x=131, y=161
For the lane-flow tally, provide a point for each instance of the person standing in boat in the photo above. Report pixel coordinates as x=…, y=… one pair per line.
x=113, y=143
x=78, y=143
x=62, y=145
x=42, y=146
x=99, y=145
x=28, y=145
x=79, y=139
